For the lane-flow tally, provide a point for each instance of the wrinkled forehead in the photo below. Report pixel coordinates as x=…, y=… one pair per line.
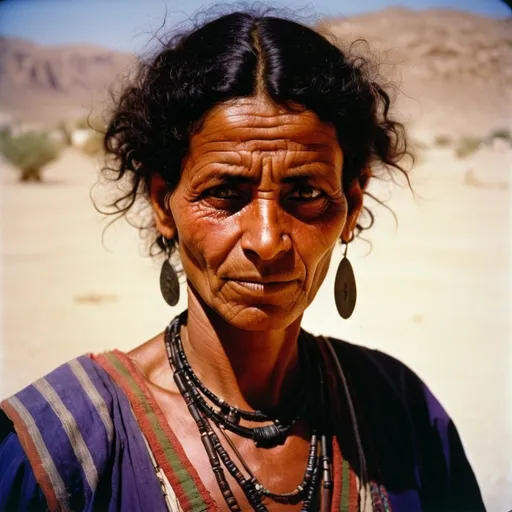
x=257, y=123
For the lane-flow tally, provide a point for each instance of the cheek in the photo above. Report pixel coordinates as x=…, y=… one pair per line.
x=317, y=239
x=315, y=244
x=205, y=238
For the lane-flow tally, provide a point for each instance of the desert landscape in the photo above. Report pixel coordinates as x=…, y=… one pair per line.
x=433, y=289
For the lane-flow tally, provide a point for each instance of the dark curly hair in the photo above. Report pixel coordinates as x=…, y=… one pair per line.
x=239, y=55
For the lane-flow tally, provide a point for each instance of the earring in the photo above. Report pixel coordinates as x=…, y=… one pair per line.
x=345, y=291
x=169, y=283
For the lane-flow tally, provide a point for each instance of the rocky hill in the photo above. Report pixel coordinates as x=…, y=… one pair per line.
x=40, y=83
x=453, y=70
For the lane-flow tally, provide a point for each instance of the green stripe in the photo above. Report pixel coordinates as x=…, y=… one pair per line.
x=345, y=486
x=172, y=457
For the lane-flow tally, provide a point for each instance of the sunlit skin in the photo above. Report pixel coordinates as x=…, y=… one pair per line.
x=258, y=211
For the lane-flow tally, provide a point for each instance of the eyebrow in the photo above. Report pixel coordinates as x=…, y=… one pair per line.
x=297, y=178
x=229, y=177
x=237, y=179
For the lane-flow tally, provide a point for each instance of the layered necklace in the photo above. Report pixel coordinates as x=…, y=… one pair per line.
x=205, y=407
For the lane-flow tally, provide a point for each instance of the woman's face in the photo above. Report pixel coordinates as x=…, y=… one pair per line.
x=258, y=210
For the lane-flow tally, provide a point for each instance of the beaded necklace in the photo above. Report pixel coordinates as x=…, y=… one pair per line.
x=229, y=416
x=318, y=470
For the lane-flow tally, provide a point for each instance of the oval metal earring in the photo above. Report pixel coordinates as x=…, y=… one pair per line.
x=345, y=290
x=169, y=282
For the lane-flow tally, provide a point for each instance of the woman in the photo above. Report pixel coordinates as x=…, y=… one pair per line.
x=254, y=139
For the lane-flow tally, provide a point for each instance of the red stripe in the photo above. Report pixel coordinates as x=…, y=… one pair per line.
x=147, y=429
x=337, y=472
x=32, y=454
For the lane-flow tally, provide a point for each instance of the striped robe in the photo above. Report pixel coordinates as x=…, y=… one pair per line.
x=83, y=443
x=90, y=436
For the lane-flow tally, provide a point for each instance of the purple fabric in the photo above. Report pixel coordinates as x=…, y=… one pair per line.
x=57, y=441
x=440, y=421
x=19, y=491
x=407, y=501
x=127, y=479
x=90, y=425
x=412, y=446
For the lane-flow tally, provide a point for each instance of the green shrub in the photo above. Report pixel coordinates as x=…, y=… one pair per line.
x=29, y=152
x=502, y=133
x=4, y=132
x=443, y=141
x=466, y=146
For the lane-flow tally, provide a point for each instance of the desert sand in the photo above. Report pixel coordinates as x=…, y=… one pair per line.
x=434, y=291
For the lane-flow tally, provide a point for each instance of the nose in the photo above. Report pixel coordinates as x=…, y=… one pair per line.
x=263, y=233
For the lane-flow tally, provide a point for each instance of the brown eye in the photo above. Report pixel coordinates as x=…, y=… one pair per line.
x=224, y=192
x=306, y=193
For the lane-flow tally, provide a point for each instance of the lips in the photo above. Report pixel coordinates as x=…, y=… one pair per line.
x=262, y=280
x=260, y=287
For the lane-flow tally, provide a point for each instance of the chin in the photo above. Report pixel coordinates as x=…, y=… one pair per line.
x=260, y=318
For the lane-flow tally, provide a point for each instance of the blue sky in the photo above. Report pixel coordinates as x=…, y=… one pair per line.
x=128, y=24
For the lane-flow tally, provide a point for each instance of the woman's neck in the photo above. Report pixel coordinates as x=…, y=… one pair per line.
x=248, y=369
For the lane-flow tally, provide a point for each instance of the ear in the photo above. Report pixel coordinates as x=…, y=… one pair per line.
x=158, y=191
x=354, y=196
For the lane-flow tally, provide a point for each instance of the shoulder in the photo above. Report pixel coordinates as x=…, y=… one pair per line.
x=376, y=368
x=63, y=423
x=373, y=369
x=408, y=429
x=387, y=391
x=77, y=391
x=77, y=429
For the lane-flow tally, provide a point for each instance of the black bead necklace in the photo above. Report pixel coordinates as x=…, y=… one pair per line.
x=317, y=463
x=231, y=413
x=267, y=436
x=298, y=492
